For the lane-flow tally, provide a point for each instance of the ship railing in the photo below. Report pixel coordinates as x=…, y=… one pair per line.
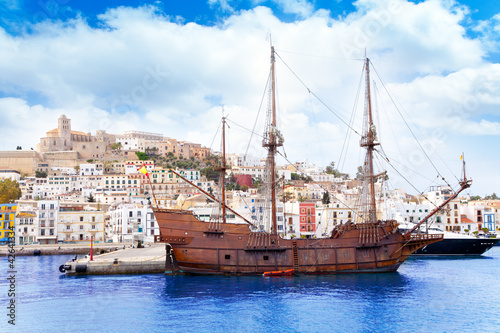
x=418, y=237
x=178, y=211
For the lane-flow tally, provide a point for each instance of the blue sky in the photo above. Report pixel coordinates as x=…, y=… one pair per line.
x=169, y=66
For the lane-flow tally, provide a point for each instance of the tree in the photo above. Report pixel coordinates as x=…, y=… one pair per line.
x=142, y=156
x=91, y=198
x=210, y=173
x=491, y=197
x=116, y=146
x=326, y=198
x=330, y=169
x=151, y=151
x=40, y=174
x=360, y=174
x=305, y=178
x=337, y=174
x=9, y=191
x=287, y=196
x=256, y=183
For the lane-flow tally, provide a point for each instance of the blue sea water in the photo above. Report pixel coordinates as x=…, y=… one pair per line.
x=434, y=294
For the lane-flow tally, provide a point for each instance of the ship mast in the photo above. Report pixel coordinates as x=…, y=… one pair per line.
x=223, y=169
x=368, y=141
x=272, y=140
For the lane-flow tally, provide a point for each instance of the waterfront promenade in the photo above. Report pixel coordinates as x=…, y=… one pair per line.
x=57, y=249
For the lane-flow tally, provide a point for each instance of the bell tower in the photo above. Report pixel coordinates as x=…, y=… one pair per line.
x=64, y=127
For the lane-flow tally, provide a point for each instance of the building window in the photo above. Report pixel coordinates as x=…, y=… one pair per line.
x=81, y=227
x=81, y=218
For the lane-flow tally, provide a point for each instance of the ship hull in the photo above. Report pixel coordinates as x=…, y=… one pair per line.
x=216, y=248
x=458, y=247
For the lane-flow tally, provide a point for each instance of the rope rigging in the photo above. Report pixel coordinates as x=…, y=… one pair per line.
x=312, y=93
x=408, y=126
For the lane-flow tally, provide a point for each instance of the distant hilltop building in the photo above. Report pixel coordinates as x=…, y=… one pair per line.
x=62, y=149
x=63, y=139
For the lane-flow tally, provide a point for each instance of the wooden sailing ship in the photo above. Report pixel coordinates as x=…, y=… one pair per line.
x=368, y=246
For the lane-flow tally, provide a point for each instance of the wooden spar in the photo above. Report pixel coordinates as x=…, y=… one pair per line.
x=368, y=141
x=463, y=185
x=272, y=148
x=223, y=170
x=211, y=196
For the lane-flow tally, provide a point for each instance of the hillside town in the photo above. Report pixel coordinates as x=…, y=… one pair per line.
x=77, y=186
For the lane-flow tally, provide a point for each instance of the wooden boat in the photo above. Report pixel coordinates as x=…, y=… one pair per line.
x=288, y=272
x=367, y=246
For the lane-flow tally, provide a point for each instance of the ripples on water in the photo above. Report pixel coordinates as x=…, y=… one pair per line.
x=426, y=294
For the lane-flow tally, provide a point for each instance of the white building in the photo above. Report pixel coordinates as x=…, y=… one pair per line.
x=26, y=225
x=36, y=221
x=132, y=167
x=134, y=140
x=77, y=223
x=11, y=174
x=110, y=197
x=90, y=170
x=131, y=222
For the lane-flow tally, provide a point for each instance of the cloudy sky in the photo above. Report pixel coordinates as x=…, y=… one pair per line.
x=170, y=67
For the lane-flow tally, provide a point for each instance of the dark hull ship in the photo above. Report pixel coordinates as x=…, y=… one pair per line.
x=367, y=246
x=458, y=245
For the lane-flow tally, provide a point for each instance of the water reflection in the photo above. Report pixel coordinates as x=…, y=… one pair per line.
x=345, y=285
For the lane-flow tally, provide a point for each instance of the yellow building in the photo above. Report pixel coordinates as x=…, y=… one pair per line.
x=7, y=221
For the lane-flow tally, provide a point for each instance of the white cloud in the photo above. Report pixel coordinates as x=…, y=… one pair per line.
x=10, y=4
x=224, y=5
x=146, y=71
x=302, y=8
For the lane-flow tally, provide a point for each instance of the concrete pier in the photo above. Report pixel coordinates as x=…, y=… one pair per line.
x=150, y=259
x=56, y=249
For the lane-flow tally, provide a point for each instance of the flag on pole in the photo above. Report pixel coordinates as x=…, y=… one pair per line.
x=462, y=156
x=143, y=170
